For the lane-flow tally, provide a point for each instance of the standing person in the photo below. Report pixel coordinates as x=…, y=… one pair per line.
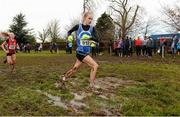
x=162, y=46
x=130, y=46
x=120, y=47
x=110, y=44
x=51, y=48
x=144, y=48
x=123, y=47
x=174, y=46
x=36, y=47
x=55, y=47
x=138, y=44
x=10, y=50
x=149, y=47
x=40, y=47
x=178, y=46
x=115, y=47
x=28, y=48
x=127, y=47
x=85, y=36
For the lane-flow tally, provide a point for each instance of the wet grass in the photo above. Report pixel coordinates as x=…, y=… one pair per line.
x=155, y=89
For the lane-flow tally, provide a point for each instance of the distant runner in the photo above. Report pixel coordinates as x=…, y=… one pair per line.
x=10, y=50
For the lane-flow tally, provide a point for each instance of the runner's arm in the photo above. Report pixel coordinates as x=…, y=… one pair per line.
x=75, y=28
x=3, y=46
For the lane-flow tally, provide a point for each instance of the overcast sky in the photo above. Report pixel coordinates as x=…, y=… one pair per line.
x=40, y=12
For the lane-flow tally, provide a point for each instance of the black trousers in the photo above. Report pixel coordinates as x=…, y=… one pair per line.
x=149, y=51
x=138, y=50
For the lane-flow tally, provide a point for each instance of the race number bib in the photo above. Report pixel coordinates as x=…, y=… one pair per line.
x=12, y=47
x=85, y=42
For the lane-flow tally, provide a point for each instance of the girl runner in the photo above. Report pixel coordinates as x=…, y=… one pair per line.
x=10, y=50
x=85, y=37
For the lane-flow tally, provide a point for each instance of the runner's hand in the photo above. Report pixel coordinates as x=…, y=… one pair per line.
x=7, y=51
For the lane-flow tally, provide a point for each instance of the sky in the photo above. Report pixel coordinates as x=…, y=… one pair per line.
x=39, y=12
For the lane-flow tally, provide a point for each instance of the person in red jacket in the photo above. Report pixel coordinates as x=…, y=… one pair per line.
x=10, y=50
x=138, y=44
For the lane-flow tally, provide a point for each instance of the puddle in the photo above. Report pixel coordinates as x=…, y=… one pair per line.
x=109, y=83
x=107, y=88
x=108, y=113
x=56, y=85
x=77, y=103
x=78, y=96
x=54, y=99
x=103, y=97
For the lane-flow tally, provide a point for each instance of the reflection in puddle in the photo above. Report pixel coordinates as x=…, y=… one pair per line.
x=77, y=103
x=79, y=97
x=54, y=99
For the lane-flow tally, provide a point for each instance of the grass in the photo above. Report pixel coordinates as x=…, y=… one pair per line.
x=154, y=89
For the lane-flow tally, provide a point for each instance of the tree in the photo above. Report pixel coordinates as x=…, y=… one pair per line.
x=172, y=17
x=105, y=27
x=143, y=26
x=91, y=5
x=125, y=15
x=18, y=27
x=54, y=30
x=43, y=35
x=149, y=26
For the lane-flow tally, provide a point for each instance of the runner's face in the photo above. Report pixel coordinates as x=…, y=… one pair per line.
x=89, y=19
x=11, y=35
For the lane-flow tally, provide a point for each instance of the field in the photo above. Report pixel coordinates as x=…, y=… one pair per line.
x=129, y=86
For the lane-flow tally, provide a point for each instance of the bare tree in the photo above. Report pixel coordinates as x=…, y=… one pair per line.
x=125, y=15
x=143, y=25
x=43, y=35
x=149, y=26
x=172, y=17
x=54, y=30
x=91, y=5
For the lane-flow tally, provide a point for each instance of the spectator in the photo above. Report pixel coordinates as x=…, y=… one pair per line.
x=127, y=47
x=55, y=47
x=28, y=48
x=130, y=46
x=120, y=47
x=110, y=44
x=21, y=47
x=149, y=47
x=36, y=47
x=138, y=44
x=162, y=46
x=115, y=47
x=51, y=48
x=144, y=49
x=40, y=47
x=178, y=46
x=174, y=46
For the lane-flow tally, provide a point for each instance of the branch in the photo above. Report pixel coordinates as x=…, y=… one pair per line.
x=118, y=24
x=116, y=10
x=133, y=19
